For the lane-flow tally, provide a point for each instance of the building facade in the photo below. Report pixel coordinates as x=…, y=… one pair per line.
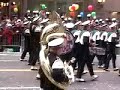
x=57, y=5
x=112, y=7
x=107, y=8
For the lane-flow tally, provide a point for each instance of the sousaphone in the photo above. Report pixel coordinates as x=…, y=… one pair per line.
x=53, y=30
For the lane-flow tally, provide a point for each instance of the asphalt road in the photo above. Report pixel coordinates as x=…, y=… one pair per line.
x=16, y=75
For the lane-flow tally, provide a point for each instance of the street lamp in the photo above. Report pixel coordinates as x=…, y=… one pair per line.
x=100, y=3
x=2, y=4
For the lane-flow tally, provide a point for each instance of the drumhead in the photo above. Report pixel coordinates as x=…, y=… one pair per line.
x=67, y=45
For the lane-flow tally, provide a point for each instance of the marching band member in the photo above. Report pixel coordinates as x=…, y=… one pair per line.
x=76, y=47
x=35, y=30
x=69, y=25
x=26, y=34
x=95, y=37
x=65, y=22
x=78, y=22
x=111, y=46
x=47, y=14
x=87, y=23
x=102, y=44
x=62, y=17
x=79, y=17
x=35, y=13
x=84, y=55
x=43, y=23
x=28, y=14
x=52, y=57
x=56, y=64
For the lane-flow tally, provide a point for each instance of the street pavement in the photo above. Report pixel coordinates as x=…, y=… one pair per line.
x=16, y=75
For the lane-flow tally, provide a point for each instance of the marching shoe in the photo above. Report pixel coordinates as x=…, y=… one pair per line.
x=38, y=76
x=38, y=62
x=33, y=68
x=21, y=59
x=106, y=69
x=28, y=64
x=80, y=80
x=115, y=69
x=94, y=77
x=98, y=66
x=102, y=66
x=85, y=72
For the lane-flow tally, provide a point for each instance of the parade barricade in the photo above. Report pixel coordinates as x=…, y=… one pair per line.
x=10, y=44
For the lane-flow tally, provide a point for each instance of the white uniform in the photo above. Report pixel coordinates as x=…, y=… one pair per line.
x=95, y=36
x=77, y=33
x=85, y=33
x=104, y=36
x=112, y=34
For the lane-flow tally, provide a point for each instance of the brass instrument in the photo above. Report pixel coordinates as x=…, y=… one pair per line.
x=54, y=29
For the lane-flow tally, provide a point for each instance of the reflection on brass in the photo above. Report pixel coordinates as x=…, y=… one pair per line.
x=44, y=61
x=54, y=18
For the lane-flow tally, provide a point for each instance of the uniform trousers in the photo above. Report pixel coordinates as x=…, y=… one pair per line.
x=26, y=46
x=76, y=53
x=34, y=56
x=101, y=59
x=34, y=48
x=84, y=58
x=111, y=55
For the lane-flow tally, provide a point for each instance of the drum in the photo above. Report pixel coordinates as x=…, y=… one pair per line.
x=68, y=44
x=97, y=50
x=100, y=51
